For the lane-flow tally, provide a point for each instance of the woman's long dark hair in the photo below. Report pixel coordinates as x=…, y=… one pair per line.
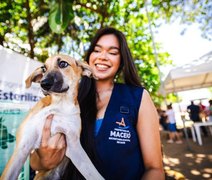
x=87, y=97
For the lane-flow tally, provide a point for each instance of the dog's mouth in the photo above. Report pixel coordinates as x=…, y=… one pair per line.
x=55, y=91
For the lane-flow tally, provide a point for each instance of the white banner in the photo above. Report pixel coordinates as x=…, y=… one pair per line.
x=15, y=100
x=14, y=69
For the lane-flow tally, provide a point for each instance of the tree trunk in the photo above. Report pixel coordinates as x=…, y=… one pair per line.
x=30, y=31
x=1, y=40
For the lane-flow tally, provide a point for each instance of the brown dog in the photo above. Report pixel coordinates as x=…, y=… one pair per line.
x=59, y=79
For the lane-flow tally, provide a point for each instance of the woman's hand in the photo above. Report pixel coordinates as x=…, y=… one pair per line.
x=51, y=151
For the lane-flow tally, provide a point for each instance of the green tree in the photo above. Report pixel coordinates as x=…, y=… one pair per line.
x=188, y=12
x=39, y=28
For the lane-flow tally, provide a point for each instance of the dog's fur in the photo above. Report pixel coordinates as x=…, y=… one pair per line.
x=59, y=79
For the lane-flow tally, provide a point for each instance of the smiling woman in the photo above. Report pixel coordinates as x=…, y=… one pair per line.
x=105, y=59
x=120, y=127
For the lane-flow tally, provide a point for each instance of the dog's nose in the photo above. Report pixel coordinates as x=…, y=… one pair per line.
x=47, y=83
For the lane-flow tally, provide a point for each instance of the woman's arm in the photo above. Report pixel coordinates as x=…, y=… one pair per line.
x=149, y=138
x=51, y=151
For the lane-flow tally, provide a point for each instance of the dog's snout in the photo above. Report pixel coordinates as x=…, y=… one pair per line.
x=47, y=83
x=53, y=82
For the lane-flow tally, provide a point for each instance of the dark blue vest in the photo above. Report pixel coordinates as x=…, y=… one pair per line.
x=117, y=141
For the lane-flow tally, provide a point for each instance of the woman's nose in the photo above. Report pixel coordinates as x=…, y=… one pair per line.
x=103, y=55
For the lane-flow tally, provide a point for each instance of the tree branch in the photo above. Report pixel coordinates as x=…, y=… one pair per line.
x=30, y=31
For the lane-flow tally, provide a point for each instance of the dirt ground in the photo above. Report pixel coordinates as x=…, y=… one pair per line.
x=188, y=160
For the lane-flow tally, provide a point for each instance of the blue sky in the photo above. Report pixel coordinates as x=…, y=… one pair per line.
x=183, y=48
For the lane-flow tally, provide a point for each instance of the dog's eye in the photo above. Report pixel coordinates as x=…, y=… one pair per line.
x=62, y=64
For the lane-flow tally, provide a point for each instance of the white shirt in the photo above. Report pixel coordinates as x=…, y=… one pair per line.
x=171, y=116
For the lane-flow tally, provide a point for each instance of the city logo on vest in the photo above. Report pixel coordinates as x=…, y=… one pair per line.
x=121, y=134
x=122, y=124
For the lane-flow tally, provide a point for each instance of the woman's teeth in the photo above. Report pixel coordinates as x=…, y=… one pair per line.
x=102, y=66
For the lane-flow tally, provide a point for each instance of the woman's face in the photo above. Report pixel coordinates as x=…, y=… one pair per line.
x=105, y=59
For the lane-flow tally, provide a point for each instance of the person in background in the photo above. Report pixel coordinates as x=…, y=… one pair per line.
x=194, y=114
x=174, y=136
x=202, y=111
x=163, y=119
x=209, y=111
x=109, y=109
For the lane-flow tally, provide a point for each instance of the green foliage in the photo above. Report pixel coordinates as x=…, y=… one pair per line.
x=61, y=13
x=39, y=28
x=210, y=90
x=173, y=98
x=189, y=11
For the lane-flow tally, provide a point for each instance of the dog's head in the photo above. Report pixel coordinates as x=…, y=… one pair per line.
x=59, y=74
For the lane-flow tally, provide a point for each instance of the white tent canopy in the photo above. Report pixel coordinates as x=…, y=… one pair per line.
x=196, y=75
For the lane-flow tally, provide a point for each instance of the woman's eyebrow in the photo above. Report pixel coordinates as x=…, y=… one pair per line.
x=111, y=47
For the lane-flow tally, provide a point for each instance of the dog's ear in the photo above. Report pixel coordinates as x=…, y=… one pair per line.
x=34, y=77
x=86, y=69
